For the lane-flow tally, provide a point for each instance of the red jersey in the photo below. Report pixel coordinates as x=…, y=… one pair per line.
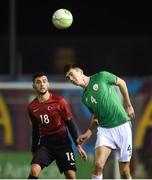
x=50, y=116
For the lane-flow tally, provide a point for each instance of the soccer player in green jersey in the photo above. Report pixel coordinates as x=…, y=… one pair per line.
x=110, y=117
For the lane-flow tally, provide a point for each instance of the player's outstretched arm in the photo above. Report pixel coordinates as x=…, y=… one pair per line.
x=92, y=128
x=84, y=137
x=124, y=91
x=73, y=132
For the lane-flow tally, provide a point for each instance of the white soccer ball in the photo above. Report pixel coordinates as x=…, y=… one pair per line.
x=62, y=18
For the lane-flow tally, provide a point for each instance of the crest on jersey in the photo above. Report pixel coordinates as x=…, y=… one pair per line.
x=49, y=108
x=95, y=87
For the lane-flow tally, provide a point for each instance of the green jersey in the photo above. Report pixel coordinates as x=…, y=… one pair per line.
x=101, y=98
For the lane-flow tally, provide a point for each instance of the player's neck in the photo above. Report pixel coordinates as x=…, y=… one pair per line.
x=43, y=97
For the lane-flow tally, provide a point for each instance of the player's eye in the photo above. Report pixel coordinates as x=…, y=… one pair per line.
x=38, y=82
x=44, y=81
x=68, y=77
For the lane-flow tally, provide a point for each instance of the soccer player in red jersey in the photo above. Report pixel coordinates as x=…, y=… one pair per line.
x=51, y=118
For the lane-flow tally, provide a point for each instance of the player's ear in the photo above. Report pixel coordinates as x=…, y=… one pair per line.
x=33, y=86
x=79, y=70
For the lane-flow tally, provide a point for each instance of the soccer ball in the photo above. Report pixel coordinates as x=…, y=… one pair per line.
x=62, y=19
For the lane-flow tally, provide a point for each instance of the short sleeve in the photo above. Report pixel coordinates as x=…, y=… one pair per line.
x=66, y=111
x=108, y=77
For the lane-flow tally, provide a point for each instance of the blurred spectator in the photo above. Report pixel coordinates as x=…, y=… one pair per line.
x=63, y=56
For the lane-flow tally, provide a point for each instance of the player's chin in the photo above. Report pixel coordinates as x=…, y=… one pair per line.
x=76, y=83
x=42, y=92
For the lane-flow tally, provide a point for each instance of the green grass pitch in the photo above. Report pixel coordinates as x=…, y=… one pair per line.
x=17, y=165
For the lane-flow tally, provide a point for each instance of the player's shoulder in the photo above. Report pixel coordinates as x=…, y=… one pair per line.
x=57, y=98
x=32, y=103
x=105, y=73
x=60, y=100
x=100, y=73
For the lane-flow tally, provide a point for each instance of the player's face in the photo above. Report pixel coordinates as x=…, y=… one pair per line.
x=75, y=76
x=41, y=84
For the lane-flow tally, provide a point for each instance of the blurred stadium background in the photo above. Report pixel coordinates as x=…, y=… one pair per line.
x=108, y=37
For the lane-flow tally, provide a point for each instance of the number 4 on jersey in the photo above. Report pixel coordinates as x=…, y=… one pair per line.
x=93, y=100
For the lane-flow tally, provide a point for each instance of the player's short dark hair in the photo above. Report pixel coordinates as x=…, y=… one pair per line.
x=67, y=67
x=38, y=74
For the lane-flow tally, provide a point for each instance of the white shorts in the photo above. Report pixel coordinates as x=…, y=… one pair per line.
x=119, y=138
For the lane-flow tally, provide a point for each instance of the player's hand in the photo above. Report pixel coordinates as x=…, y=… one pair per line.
x=82, y=152
x=130, y=111
x=84, y=137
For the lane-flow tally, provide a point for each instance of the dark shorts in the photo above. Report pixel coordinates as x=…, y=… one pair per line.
x=63, y=155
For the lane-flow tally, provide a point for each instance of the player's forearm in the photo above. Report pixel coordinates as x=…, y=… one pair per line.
x=125, y=94
x=124, y=91
x=73, y=131
x=94, y=124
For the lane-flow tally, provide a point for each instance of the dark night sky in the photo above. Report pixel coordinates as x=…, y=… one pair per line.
x=89, y=18
x=34, y=17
